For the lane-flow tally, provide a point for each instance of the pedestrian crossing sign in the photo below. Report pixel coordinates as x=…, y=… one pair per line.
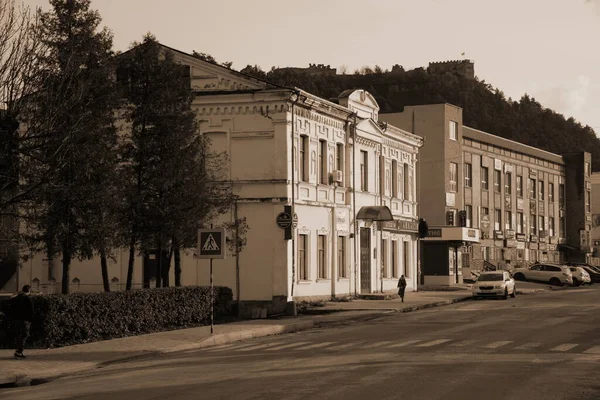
x=211, y=243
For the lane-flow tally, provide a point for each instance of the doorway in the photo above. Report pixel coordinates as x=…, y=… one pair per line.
x=365, y=260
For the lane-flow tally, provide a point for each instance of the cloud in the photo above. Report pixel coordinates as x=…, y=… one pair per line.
x=566, y=99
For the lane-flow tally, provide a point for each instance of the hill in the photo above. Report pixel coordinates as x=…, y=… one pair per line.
x=484, y=107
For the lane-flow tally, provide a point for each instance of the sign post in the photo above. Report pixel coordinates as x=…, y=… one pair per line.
x=211, y=244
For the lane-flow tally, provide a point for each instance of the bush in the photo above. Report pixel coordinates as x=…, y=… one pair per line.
x=61, y=320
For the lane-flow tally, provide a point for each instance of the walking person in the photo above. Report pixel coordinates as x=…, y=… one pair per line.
x=22, y=315
x=401, y=286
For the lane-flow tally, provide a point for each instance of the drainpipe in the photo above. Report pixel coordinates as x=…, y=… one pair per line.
x=356, y=236
x=293, y=169
x=381, y=190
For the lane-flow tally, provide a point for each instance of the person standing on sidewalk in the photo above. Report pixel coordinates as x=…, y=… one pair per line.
x=22, y=315
x=401, y=286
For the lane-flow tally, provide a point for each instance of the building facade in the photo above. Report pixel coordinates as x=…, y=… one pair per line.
x=331, y=164
x=529, y=205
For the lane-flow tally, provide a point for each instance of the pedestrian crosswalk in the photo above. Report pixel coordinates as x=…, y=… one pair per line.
x=410, y=345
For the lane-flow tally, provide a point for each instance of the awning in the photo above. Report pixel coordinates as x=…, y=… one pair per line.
x=375, y=213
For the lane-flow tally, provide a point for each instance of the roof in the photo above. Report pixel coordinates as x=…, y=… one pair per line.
x=483, y=137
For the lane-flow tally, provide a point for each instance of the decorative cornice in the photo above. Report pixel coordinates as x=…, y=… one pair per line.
x=314, y=116
x=264, y=109
x=400, y=146
x=366, y=142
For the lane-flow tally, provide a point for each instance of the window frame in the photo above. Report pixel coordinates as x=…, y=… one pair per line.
x=453, y=180
x=453, y=130
x=468, y=175
x=485, y=177
x=321, y=257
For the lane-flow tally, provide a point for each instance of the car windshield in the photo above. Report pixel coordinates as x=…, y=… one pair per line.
x=490, y=277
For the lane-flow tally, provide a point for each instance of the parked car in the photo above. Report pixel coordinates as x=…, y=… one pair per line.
x=593, y=272
x=580, y=275
x=494, y=284
x=551, y=273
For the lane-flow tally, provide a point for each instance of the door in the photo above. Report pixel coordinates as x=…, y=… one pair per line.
x=365, y=260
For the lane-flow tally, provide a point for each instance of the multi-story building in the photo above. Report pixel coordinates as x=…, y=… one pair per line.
x=530, y=205
x=348, y=179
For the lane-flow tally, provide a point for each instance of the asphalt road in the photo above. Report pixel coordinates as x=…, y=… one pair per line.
x=543, y=346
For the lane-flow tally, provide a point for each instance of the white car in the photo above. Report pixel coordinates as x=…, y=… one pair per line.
x=494, y=284
x=551, y=273
x=580, y=275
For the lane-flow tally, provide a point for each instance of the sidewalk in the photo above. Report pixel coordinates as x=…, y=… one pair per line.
x=43, y=364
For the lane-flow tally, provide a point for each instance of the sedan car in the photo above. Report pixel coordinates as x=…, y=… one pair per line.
x=494, y=284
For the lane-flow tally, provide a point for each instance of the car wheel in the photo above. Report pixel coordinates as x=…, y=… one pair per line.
x=576, y=282
x=505, y=294
x=555, y=282
x=514, y=292
x=519, y=277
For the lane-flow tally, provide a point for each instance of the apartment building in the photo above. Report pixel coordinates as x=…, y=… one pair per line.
x=529, y=205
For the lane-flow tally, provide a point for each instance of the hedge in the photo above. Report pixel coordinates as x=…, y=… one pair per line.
x=61, y=320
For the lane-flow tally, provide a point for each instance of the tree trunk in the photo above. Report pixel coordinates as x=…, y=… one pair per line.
x=177, y=266
x=166, y=268
x=66, y=262
x=104, y=265
x=130, y=265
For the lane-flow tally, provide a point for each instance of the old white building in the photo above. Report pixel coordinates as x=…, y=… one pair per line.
x=333, y=163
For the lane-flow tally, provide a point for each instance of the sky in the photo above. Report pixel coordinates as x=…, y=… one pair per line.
x=548, y=49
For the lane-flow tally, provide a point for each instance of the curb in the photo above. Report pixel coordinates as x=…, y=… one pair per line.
x=16, y=380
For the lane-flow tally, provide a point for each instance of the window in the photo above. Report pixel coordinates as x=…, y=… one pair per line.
x=508, y=220
x=588, y=172
x=468, y=175
x=550, y=226
x=497, y=180
x=401, y=183
x=342, y=257
x=588, y=196
x=520, y=223
x=302, y=257
x=531, y=188
x=384, y=255
x=321, y=270
x=407, y=183
x=339, y=156
x=541, y=224
x=508, y=183
x=532, y=225
x=322, y=162
x=453, y=176
x=541, y=186
x=551, y=192
x=469, y=216
x=519, y=186
x=561, y=227
x=453, y=130
x=484, y=178
x=364, y=161
x=561, y=193
x=395, y=178
x=394, y=259
x=406, y=253
x=485, y=253
x=303, y=159
x=497, y=220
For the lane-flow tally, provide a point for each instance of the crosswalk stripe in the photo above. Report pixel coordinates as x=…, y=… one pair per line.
x=287, y=346
x=464, y=343
x=434, y=342
x=260, y=346
x=593, y=350
x=405, y=343
x=495, y=345
x=344, y=346
x=564, y=347
x=315, y=346
x=377, y=344
x=530, y=345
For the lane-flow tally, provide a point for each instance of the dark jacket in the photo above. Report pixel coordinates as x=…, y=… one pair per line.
x=21, y=307
x=401, y=283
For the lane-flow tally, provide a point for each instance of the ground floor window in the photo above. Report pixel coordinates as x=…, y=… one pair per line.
x=384, y=256
x=321, y=265
x=302, y=257
x=406, y=254
x=394, y=258
x=342, y=257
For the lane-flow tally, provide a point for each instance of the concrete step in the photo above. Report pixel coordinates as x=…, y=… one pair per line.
x=378, y=296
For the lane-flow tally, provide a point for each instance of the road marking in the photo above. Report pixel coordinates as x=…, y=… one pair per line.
x=344, y=346
x=464, y=343
x=377, y=344
x=564, y=347
x=434, y=342
x=231, y=347
x=495, y=345
x=406, y=343
x=530, y=345
x=287, y=346
x=593, y=350
x=260, y=346
x=315, y=346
